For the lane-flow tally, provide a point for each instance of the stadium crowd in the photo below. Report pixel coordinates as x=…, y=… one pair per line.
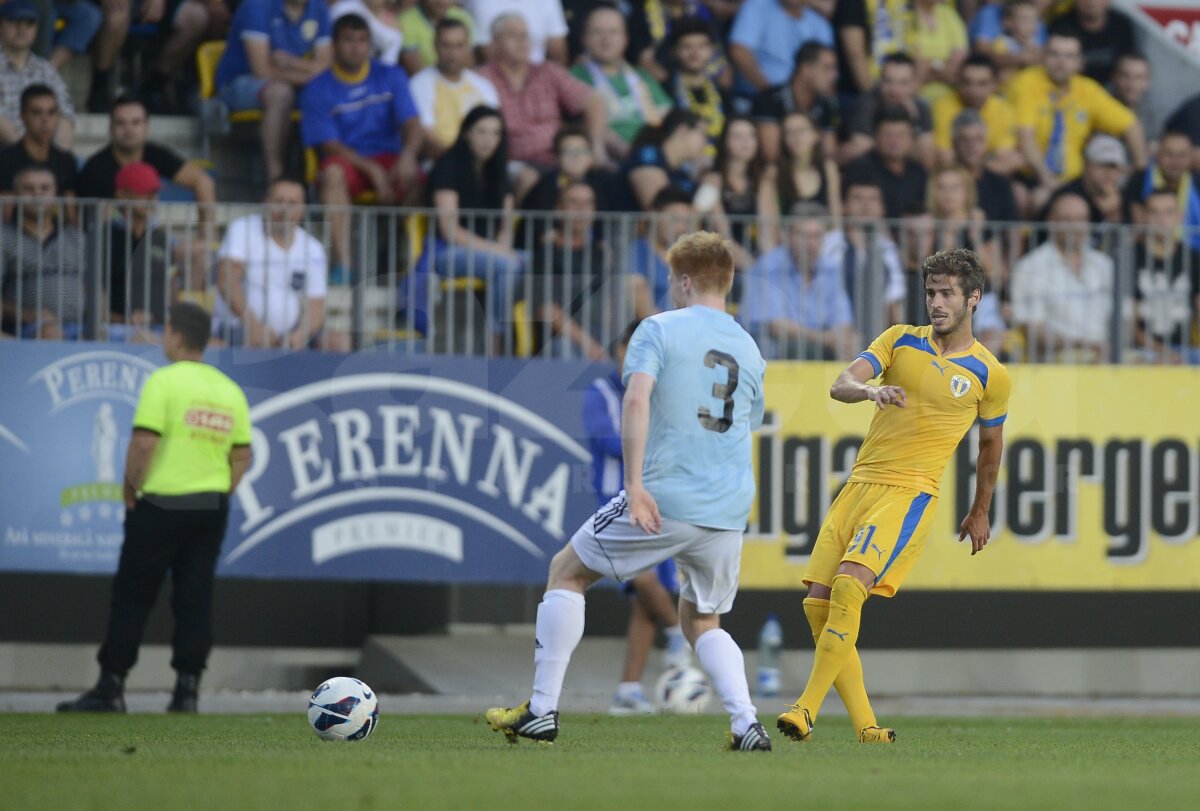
x=835, y=142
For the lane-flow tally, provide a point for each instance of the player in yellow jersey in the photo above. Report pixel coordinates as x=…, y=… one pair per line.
x=936, y=381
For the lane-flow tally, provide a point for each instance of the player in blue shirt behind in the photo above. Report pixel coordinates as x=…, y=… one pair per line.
x=275, y=48
x=361, y=117
x=652, y=590
x=694, y=394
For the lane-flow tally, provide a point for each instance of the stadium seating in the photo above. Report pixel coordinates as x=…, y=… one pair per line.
x=215, y=117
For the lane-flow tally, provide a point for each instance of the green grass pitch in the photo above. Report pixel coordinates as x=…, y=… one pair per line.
x=234, y=762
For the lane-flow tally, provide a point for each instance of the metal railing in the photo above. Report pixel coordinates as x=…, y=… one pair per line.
x=566, y=285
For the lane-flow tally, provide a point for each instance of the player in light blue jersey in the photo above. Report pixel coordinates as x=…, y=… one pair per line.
x=694, y=394
x=706, y=373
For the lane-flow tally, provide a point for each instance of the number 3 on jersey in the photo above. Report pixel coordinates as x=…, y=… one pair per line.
x=721, y=391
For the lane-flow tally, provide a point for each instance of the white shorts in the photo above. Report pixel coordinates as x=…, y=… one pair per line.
x=709, y=560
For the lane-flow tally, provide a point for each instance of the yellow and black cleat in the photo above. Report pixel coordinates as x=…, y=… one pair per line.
x=796, y=723
x=876, y=735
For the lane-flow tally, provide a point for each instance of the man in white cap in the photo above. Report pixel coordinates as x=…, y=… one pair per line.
x=1105, y=166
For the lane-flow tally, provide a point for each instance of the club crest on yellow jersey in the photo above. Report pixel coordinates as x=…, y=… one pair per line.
x=959, y=386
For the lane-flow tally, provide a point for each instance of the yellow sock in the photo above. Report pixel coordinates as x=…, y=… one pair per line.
x=849, y=682
x=836, y=641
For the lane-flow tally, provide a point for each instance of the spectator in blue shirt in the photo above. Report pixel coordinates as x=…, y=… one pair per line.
x=766, y=35
x=647, y=258
x=987, y=25
x=794, y=305
x=275, y=48
x=1011, y=32
x=361, y=116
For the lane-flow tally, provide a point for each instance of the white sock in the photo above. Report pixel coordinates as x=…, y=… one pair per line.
x=674, y=634
x=626, y=688
x=722, y=660
x=559, y=629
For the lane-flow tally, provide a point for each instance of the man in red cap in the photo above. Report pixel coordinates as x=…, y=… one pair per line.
x=137, y=180
x=142, y=274
x=129, y=130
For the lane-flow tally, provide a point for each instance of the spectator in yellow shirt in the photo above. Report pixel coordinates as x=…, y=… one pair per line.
x=1058, y=110
x=939, y=46
x=976, y=90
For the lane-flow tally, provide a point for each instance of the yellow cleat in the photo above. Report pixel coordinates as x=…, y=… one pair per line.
x=876, y=735
x=519, y=722
x=796, y=723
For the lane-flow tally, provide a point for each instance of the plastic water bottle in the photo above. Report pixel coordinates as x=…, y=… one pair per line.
x=770, y=643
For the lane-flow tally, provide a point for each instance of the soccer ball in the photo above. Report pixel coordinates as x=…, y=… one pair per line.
x=682, y=691
x=343, y=709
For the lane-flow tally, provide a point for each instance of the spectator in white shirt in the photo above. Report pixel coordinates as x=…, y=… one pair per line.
x=444, y=93
x=545, y=19
x=271, y=276
x=1062, y=292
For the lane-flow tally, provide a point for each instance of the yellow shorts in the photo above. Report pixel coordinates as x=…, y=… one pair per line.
x=879, y=526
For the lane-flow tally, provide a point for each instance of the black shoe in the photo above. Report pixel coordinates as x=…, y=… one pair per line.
x=753, y=739
x=186, y=695
x=107, y=696
x=94, y=701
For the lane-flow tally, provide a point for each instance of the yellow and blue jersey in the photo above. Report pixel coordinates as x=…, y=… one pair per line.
x=945, y=394
x=1063, y=121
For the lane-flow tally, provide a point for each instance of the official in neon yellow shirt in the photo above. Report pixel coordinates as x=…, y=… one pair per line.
x=1058, y=110
x=190, y=447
